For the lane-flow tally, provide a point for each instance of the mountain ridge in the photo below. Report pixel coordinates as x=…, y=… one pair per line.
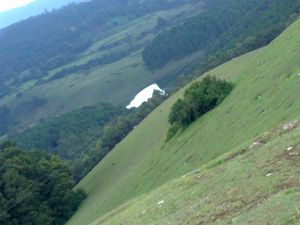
x=35, y=8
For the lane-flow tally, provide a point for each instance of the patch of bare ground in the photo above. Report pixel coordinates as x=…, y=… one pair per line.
x=291, y=154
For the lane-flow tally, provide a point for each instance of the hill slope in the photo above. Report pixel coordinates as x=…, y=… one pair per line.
x=256, y=183
x=264, y=96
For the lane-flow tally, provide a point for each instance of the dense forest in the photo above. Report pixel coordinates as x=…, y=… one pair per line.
x=35, y=188
x=223, y=32
x=30, y=48
x=83, y=137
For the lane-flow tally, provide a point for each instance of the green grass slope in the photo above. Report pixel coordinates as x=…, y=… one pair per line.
x=265, y=95
x=257, y=183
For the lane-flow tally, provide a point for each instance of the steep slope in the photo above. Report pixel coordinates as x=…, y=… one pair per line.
x=266, y=83
x=257, y=183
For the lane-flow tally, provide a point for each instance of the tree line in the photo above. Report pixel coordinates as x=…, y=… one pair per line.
x=226, y=29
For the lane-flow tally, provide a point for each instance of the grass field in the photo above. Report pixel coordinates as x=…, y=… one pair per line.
x=257, y=183
x=117, y=82
x=265, y=95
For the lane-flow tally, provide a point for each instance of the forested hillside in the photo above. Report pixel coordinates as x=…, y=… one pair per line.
x=74, y=137
x=223, y=32
x=35, y=188
x=82, y=55
x=84, y=137
x=44, y=42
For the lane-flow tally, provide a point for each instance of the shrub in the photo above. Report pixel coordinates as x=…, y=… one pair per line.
x=199, y=98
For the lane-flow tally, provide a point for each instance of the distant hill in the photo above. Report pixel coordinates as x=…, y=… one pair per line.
x=35, y=8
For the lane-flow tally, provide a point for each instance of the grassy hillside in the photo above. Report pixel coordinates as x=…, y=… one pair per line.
x=266, y=83
x=257, y=183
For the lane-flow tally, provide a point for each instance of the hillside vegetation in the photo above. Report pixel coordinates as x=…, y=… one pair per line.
x=35, y=188
x=75, y=137
x=39, y=44
x=83, y=138
x=224, y=31
x=199, y=98
x=109, y=69
x=264, y=95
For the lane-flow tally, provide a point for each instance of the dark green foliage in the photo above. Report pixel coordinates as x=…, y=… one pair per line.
x=115, y=132
x=199, y=98
x=35, y=189
x=226, y=29
x=71, y=136
x=84, y=137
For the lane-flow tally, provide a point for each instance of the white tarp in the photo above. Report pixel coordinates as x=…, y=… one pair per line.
x=144, y=96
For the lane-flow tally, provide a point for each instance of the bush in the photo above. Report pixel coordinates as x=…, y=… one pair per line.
x=199, y=98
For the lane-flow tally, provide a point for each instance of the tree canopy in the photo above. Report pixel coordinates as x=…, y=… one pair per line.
x=35, y=189
x=199, y=98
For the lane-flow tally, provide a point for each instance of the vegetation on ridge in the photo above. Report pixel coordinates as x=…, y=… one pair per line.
x=199, y=98
x=223, y=32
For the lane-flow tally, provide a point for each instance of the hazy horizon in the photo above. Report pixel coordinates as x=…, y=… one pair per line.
x=6, y=5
